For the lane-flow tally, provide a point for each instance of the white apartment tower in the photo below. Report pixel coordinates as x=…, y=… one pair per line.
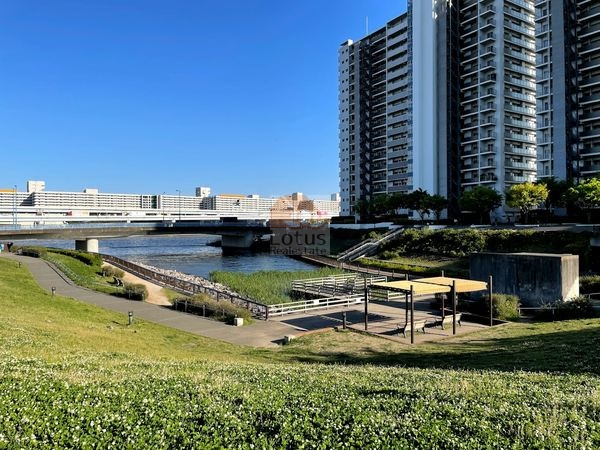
x=386, y=98
x=497, y=94
x=442, y=98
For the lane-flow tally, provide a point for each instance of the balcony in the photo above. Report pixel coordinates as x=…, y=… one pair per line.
x=517, y=178
x=590, y=168
x=589, y=81
x=520, y=82
x=525, y=5
x=520, y=151
x=519, y=109
x=520, y=137
x=526, y=70
x=519, y=96
x=530, y=166
x=527, y=18
x=590, y=134
x=522, y=56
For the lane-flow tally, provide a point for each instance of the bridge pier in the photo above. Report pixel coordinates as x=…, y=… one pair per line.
x=237, y=240
x=89, y=245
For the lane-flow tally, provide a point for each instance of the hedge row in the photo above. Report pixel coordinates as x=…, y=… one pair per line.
x=462, y=242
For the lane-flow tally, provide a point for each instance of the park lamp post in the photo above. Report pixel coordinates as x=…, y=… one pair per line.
x=15, y=220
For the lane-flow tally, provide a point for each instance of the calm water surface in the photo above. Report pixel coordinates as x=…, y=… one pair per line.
x=189, y=254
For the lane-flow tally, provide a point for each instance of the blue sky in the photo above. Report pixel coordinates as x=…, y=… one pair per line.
x=147, y=96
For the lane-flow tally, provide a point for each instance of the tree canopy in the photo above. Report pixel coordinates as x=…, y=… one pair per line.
x=525, y=197
x=481, y=200
x=586, y=195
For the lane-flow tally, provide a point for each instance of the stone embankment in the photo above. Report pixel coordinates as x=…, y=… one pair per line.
x=189, y=284
x=217, y=287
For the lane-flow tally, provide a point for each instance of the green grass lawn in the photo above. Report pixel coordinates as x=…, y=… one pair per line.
x=73, y=375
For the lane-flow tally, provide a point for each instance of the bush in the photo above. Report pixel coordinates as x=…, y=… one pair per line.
x=222, y=310
x=34, y=252
x=589, y=284
x=90, y=259
x=110, y=271
x=506, y=307
x=135, y=291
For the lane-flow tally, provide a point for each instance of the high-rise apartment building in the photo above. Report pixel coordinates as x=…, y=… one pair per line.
x=386, y=96
x=497, y=93
x=452, y=95
x=568, y=88
x=442, y=98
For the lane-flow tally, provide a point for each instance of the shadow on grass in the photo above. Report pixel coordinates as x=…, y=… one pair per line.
x=570, y=351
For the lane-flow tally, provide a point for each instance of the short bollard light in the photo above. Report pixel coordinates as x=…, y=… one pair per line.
x=53, y=289
x=130, y=316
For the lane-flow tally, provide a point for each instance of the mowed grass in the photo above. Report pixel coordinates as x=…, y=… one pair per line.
x=33, y=323
x=73, y=375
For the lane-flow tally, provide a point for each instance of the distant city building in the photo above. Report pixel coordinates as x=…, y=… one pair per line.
x=93, y=203
x=202, y=191
x=35, y=186
x=452, y=95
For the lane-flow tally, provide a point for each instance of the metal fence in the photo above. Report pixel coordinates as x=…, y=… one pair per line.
x=258, y=310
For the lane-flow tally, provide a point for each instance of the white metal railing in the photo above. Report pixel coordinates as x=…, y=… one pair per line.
x=311, y=305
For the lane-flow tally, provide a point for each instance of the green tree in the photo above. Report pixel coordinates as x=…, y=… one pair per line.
x=437, y=203
x=481, y=200
x=586, y=195
x=380, y=205
x=419, y=201
x=557, y=190
x=525, y=197
x=398, y=200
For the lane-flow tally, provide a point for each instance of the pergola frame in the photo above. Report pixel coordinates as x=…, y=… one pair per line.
x=432, y=286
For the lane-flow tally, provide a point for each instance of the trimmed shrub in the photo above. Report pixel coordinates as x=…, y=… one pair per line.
x=110, y=271
x=506, y=307
x=589, y=284
x=223, y=310
x=34, y=252
x=135, y=291
x=91, y=259
x=576, y=308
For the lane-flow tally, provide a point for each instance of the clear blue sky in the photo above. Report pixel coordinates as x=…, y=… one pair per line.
x=147, y=96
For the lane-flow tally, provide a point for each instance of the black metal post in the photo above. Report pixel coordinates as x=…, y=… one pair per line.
x=366, y=306
x=412, y=315
x=443, y=306
x=405, y=308
x=453, y=294
x=491, y=302
x=344, y=320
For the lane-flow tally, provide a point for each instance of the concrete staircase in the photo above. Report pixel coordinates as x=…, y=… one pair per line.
x=368, y=247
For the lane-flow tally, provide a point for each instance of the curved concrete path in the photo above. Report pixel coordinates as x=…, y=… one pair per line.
x=258, y=334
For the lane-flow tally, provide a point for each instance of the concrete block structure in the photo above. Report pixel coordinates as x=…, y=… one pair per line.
x=536, y=278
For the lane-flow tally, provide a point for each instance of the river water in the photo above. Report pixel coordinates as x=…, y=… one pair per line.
x=184, y=253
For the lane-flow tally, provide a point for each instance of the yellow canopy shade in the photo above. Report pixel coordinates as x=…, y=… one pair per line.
x=432, y=285
x=419, y=288
x=462, y=285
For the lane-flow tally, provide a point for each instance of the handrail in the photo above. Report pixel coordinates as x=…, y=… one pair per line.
x=259, y=310
x=311, y=305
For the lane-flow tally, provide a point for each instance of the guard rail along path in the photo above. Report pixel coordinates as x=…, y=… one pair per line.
x=258, y=310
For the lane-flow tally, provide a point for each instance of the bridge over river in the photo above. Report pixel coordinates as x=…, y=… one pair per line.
x=235, y=234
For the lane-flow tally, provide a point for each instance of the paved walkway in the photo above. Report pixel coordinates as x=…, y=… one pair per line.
x=258, y=334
